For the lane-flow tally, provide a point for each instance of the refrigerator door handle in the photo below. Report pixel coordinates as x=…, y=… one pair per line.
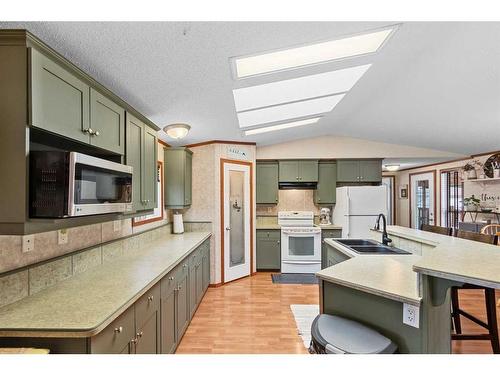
x=348, y=214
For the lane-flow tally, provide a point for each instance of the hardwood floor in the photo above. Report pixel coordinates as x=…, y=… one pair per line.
x=253, y=315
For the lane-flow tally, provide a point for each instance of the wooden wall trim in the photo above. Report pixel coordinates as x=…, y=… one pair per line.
x=434, y=172
x=222, y=229
x=163, y=143
x=222, y=142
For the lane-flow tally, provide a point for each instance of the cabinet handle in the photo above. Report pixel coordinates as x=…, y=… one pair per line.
x=89, y=131
x=133, y=341
x=119, y=329
x=171, y=278
x=139, y=334
x=150, y=298
x=296, y=178
x=96, y=133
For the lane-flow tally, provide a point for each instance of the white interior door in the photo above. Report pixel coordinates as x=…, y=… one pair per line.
x=422, y=199
x=236, y=221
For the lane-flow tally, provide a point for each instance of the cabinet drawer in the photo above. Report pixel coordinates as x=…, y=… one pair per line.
x=271, y=234
x=331, y=233
x=147, y=305
x=167, y=284
x=195, y=257
x=116, y=336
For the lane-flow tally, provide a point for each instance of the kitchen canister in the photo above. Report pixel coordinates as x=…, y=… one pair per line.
x=178, y=227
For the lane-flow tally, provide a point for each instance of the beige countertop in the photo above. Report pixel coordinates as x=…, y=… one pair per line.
x=396, y=276
x=85, y=304
x=268, y=226
x=389, y=276
x=329, y=226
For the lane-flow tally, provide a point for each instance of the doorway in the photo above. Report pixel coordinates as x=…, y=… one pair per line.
x=422, y=199
x=236, y=219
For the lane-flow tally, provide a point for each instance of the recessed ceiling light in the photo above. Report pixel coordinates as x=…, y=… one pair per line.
x=290, y=90
x=392, y=167
x=310, y=54
x=282, y=126
x=288, y=111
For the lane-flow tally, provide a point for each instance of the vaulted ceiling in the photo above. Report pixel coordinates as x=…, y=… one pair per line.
x=432, y=85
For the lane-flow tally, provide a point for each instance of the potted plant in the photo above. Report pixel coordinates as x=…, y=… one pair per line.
x=470, y=168
x=471, y=203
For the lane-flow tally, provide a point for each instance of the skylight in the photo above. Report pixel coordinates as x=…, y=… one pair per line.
x=291, y=90
x=310, y=54
x=282, y=126
x=288, y=111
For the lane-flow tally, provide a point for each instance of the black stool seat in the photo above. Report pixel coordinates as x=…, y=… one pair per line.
x=332, y=334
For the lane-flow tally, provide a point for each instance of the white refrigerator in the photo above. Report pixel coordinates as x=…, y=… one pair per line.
x=357, y=208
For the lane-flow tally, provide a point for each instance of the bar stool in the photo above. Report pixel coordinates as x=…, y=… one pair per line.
x=489, y=294
x=436, y=229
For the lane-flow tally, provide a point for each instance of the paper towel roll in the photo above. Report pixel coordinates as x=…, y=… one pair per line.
x=178, y=224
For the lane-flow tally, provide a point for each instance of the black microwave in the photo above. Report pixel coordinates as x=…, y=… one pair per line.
x=67, y=184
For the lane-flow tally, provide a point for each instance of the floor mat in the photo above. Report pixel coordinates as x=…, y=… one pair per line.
x=294, y=278
x=304, y=316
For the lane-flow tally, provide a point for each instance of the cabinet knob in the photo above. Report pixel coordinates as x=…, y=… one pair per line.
x=96, y=133
x=278, y=242
x=171, y=278
x=133, y=341
x=139, y=334
x=151, y=298
x=179, y=287
x=88, y=131
x=118, y=329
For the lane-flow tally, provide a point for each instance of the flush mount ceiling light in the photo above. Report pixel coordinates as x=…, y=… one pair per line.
x=177, y=131
x=296, y=89
x=322, y=52
x=288, y=111
x=392, y=167
x=282, y=126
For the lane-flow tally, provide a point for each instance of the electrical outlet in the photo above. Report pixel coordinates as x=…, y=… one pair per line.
x=117, y=225
x=411, y=315
x=28, y=243
x=62, y=236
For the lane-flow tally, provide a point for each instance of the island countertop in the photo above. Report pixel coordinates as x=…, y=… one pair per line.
x=85, y=304
x=396, y=276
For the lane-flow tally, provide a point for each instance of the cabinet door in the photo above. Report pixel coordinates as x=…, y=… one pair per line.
x=188, y=178
x=116, y=336
x=308, y=170
x=107, y=120
x=348, y=170
x=268, y=250
x=150, y=166
x=182, y=302
x=192, y=289
x=168, y=327
x=59, y=100
x=370, y=170
x=288, y=171
x=325, y=192
x=199, y=282
x=147, y=335
x=267, y=183
x=206, y=266
x=135, y=145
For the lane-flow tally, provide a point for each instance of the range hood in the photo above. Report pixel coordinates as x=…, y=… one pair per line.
x=298, y=185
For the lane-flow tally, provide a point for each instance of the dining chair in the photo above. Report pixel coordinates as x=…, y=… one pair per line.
x=489, y=294
x=436, y=229
x=493, y=229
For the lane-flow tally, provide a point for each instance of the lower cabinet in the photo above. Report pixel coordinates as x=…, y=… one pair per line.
x=334, y=256
x=268, y=249
x=327, y=233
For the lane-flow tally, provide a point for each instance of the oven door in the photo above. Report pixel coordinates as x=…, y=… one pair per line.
x=300, y=246
x=98, y=186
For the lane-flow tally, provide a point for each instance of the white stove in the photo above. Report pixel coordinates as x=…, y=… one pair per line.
x=300, y=242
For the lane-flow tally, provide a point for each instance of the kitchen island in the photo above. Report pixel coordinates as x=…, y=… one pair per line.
x=377, y=290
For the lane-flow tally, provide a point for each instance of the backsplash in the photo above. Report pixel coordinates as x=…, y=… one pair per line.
x=290, y=200
x=25, y=281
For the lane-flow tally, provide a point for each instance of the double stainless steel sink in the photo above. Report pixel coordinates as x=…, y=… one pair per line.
x=362, y=246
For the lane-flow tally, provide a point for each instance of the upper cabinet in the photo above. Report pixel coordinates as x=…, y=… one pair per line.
x=142, y=156
x=359, y=170
x=178, y=177
x=325, y=192
x=267, y=183
x=298, y=170
x=65, y=105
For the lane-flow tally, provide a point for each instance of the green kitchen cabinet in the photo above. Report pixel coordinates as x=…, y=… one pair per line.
x=268, y=248
x=169, y=338
x=206, y=265
x=141, y=154
x=183, y=316
x=59, y=100
x=267, y=182
x=359, y=170
x=298, y=171
x=107, y=121
x=327, y=233
x=178, y=169
x=326, y=189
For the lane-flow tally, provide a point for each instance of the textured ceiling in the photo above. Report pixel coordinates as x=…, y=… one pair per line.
x=433, y=85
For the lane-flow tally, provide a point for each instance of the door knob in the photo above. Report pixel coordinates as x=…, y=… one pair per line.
x=227, y=228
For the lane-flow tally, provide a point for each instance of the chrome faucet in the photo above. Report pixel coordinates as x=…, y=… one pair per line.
x=385, y=238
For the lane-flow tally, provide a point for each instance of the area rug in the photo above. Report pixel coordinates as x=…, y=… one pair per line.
x=304, y=316
x=294, y=278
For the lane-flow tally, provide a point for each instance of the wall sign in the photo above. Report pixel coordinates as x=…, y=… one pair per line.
x=237, y=153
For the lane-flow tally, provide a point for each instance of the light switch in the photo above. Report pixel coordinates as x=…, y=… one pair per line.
x=28, y=243
x=117, y=225
x=411, y=315
x=62, y=236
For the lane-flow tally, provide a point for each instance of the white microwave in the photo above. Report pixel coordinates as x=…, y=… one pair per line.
x=67, y=184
